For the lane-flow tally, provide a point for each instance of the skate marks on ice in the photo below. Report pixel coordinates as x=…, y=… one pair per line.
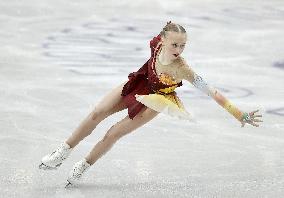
x=277, y=111
x=254, y=13
x=100, y=48
x=229, y=91
x=175, y=187
x=279, y=64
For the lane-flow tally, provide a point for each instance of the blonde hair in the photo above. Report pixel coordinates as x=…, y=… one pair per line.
x=172, y=27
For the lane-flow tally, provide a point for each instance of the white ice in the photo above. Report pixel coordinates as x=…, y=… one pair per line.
x=58, y=58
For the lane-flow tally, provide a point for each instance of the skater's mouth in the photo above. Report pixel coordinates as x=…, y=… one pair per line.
x=176, y=55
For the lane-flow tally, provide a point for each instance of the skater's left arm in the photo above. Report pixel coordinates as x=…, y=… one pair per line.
x=188, y=74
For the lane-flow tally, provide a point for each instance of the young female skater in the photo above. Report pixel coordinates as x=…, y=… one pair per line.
x=145, y=94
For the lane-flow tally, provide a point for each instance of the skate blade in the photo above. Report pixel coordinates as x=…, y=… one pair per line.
x=68, y=184
x=45, y=167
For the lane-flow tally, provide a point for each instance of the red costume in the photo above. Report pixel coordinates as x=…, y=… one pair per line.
x=145, y=81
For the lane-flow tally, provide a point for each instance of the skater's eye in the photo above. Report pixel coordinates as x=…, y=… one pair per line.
x=175, y=45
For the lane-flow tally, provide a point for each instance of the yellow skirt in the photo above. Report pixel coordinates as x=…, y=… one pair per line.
x=168, y=104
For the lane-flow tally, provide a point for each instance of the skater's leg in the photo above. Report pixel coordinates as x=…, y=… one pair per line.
x=118, y=130
x=109, y=104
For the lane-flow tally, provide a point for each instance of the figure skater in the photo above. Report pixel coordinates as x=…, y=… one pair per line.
x=147, y=92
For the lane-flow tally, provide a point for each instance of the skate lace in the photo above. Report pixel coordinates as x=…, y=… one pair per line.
x=79, y=169
x=60, y=153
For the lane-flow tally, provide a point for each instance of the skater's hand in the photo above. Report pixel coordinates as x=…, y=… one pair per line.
x=250, y=118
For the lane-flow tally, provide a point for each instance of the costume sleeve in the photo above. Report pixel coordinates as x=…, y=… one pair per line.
x=188, y=74
x=143, y=70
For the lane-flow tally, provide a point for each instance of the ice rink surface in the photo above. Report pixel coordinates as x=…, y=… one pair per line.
x=59, y=58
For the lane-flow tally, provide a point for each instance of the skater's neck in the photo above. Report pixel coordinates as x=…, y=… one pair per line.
x=163, y=59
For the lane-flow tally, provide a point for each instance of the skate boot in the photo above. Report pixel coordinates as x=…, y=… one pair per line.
x=54, y=160
x=77, y=171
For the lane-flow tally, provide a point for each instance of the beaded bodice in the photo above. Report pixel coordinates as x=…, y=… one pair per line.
x=146, y=79
x=163, y=82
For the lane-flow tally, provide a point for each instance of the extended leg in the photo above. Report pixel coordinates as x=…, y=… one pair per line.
x=110, y=104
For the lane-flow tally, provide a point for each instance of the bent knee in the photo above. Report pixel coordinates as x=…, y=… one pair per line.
x=99, y=113
x=113, y=134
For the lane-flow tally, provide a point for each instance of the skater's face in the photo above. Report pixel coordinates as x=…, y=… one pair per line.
x=173, y=44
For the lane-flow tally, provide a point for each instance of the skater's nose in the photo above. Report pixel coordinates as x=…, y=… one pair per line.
x=179, y=50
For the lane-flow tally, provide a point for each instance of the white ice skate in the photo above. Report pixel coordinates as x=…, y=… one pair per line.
x=77, y=171
x=54, y=160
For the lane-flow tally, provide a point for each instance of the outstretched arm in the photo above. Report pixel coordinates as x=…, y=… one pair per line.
x=188, y=74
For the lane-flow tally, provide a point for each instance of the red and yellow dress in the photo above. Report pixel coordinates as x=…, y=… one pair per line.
x=146, y=88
